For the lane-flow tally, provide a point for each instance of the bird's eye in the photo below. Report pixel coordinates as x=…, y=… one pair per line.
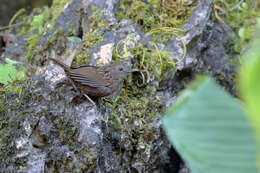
x=120, y=69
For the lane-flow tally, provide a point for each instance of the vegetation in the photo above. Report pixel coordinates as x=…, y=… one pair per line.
x=241, y=16
x=10, y=73
x=155, y=14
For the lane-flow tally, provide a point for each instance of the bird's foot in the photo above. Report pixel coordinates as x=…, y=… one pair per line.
x=94, y=104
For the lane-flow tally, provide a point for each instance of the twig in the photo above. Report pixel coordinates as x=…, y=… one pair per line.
x=11, y=26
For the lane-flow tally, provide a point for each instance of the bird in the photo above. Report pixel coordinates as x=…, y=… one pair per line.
x=95, y=81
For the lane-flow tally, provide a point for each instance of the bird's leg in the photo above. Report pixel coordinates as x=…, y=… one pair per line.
x=83, y=94
x=90, y=99
x=75, y=88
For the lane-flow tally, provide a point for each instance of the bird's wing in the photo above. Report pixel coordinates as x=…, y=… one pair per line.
x=89, y=76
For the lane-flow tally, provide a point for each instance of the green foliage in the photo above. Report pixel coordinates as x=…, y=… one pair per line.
x=242, y=19
x=155, y=3
x=18, y=13
x=250, y=84
x=209, y=129
x=37, y=23
x=9, y=73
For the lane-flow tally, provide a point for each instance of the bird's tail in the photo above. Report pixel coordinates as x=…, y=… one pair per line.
x=56, y=61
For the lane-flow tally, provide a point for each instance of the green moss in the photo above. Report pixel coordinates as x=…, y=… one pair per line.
x=32, y=44
x=134, y=104
x=133, y=115
x=154, y=14
x=150, y=58
x=157, y=62
x=72, y=31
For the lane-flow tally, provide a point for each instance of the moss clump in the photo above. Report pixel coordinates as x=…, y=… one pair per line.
x=156, y=61
x=155, y=14
x=134, y=104
x=149, y=57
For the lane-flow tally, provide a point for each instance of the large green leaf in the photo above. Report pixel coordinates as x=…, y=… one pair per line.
x=209, y=129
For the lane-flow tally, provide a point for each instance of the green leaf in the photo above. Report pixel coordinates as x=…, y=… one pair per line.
x=209, y=129
x=74, y=39
x=8, y=73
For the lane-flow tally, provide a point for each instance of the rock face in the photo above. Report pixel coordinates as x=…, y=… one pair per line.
x=49, y=127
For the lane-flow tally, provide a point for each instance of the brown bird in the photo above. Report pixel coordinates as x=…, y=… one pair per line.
x=95, y=81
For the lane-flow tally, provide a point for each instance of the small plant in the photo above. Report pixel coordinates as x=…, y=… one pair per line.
x=9, y=72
